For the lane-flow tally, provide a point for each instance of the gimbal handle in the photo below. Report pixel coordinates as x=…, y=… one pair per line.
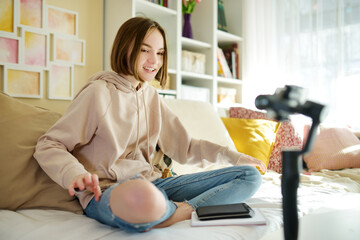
x=287, y=101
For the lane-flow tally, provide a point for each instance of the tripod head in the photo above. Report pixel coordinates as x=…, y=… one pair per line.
x=292, y=100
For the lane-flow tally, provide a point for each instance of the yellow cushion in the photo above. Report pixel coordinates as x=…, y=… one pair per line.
x=23, y=183
x=254, y=137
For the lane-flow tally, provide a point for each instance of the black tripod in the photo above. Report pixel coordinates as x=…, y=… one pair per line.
x=286, y=101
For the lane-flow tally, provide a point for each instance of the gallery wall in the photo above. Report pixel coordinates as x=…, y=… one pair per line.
x=89, y=32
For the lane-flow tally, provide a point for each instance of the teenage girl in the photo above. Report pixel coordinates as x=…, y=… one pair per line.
x=101, y=150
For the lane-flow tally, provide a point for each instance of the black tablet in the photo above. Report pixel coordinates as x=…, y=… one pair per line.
x=238, y=210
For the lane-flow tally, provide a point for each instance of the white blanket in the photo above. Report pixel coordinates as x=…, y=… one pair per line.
x=318, y=192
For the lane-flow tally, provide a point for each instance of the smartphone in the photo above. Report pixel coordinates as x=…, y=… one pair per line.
x=237, y=210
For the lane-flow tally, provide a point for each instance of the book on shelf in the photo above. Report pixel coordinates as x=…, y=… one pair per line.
x=220, y=71
x=221, y=16
x=232, y=56
x=223, y=66
x=230, y=59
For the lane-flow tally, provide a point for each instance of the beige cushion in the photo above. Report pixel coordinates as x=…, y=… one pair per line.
x=23, y=184
x=336, y=147
x=202, y=122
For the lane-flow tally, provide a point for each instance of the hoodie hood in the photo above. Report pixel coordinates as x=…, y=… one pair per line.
x=119, y=82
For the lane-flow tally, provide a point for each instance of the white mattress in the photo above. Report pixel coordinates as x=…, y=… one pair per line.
x=319, y=192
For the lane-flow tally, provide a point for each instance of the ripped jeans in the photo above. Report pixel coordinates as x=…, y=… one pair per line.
x=222, y=186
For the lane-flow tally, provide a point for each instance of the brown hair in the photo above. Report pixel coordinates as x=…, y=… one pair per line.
x=131, y=35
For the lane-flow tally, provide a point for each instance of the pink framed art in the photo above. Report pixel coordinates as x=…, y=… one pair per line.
x=60, y=81
x=68, y=50
x=31, y=13
x=9, y=49
x=62, y=21
x=35, y=47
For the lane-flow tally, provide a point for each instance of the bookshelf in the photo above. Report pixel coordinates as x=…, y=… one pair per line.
x=206, y=39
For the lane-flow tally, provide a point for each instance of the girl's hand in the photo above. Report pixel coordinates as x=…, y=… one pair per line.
x=249, y=160
x=86, y=181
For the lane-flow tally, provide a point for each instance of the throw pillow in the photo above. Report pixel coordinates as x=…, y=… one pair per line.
x=23, y=183
x=201, y=122
x=254, y=137
x=334, y=148
x=287, y=137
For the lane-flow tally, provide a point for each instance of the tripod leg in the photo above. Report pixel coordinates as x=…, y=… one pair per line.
x=289, y=186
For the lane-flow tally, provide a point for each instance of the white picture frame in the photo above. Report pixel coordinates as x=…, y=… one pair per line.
x=68, y=50
x=3, y=17
x=7, y=49
x=61, y=21
x=29, y=16
x=35, y=51
x=61, y=81
x=23, y=81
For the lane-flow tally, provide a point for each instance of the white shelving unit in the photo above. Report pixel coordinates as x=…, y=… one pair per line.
x=206, y=39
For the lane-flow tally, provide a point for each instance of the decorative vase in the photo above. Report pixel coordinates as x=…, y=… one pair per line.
x=187, y=31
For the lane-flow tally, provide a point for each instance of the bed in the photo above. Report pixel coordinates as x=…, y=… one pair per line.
x=36, y=216
x=321, y=191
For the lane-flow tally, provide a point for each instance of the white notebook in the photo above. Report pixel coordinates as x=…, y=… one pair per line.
x=257, y=219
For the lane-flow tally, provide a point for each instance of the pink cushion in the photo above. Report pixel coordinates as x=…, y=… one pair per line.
x=287, y=136
x=334, y=148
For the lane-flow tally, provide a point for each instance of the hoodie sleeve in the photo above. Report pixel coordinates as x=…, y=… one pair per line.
x=176, y=143
x=74, y=129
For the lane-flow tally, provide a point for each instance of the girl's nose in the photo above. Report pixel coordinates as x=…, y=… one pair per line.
x=153, y=57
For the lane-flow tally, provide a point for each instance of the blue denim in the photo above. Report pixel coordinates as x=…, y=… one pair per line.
x=222, y=186
x=101, y=211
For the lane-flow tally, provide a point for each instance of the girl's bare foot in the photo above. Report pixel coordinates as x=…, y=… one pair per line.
x=183, y=212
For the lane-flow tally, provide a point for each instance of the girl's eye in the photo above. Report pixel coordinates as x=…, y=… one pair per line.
x=144, y=50
x=161, y=53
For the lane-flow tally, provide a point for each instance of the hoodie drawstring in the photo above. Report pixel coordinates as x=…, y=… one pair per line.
x=138, y=124
x=147, y=126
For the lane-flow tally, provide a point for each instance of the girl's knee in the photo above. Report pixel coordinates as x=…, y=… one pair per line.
x=137, y=201
x=255, y=174
x=255, y=178
x=251, y=175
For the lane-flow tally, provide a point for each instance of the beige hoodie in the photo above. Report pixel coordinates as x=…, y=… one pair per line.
x=112, y=129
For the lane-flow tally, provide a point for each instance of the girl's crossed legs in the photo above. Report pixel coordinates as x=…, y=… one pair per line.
x=222, y=186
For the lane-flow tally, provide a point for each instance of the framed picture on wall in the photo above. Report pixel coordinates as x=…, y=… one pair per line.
x=35, y=47
x=60, y=81
x=31, y=13
x=7, y=16
x=61, y=21
x=9, y=49
x=23, y=81
x=68, y=50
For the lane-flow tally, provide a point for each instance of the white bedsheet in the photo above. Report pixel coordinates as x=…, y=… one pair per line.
x=318, y=192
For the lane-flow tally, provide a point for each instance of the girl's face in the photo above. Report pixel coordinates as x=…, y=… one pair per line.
x=150, y=59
